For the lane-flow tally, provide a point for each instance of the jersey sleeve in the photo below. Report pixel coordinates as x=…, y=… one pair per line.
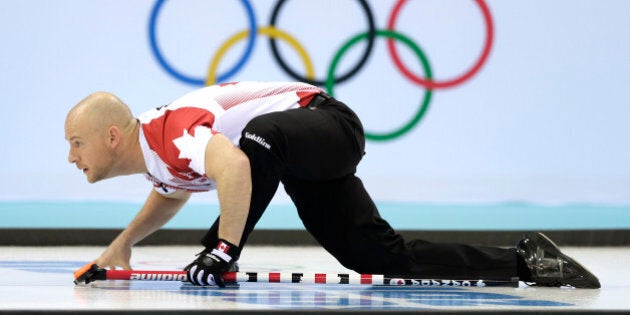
x=159, y=187
x=163, y=189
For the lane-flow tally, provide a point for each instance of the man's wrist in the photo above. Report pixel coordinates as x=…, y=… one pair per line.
x=226, y=251
x=123, y=240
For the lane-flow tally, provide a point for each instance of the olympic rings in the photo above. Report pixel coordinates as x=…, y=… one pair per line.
x=330, y=81
x=449, y=83
x=189, y=79
x=370, y=34
x=272, y=32
x=353, y=70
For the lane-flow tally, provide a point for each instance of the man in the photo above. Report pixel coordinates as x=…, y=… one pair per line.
x=243, y=139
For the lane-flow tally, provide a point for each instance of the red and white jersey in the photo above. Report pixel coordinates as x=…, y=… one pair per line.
x=174, y=137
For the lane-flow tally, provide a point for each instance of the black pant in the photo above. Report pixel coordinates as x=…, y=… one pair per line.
x=314, y=151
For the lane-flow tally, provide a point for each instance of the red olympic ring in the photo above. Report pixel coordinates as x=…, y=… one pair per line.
x=432, y=84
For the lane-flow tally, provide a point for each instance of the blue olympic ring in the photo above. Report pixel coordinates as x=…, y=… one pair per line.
x=201, y=81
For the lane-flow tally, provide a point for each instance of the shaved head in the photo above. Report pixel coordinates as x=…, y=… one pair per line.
x=101, y=132
x=101, y=110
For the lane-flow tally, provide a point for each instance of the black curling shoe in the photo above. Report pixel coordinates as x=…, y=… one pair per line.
x=549, y=267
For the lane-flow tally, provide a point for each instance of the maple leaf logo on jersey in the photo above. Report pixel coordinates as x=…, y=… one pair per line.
x=193, y=147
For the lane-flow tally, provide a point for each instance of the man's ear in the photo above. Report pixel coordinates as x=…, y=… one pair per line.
x=113, y=136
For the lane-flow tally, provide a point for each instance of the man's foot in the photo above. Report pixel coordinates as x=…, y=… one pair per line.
x=549, y=267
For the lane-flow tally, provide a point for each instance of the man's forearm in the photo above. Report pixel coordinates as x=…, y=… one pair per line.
x=234, y=191
x=229, y=167
x=156, y=212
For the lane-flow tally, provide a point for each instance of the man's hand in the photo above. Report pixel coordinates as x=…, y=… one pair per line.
x=208, y=268
x=117, y=254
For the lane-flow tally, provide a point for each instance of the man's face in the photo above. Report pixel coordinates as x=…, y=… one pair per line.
x=89, y=148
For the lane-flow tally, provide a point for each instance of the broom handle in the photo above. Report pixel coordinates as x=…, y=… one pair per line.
x=306, y=278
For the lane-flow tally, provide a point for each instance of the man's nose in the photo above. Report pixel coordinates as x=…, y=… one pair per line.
x=71, y=157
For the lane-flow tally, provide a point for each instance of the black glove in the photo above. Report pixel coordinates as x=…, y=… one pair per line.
x=208, y=268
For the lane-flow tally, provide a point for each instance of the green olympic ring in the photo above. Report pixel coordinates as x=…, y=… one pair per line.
x=330, y=80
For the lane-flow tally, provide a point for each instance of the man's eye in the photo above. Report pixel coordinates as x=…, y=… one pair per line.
x=77, y=144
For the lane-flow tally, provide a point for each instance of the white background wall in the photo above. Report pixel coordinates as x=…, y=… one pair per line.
x=546, y=119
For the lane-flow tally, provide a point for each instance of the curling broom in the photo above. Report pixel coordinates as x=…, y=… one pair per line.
x=91, y=272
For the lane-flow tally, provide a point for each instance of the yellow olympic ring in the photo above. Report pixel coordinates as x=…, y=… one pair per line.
x=269, y=31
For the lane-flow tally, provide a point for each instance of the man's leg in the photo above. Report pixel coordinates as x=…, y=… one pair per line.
x=343, y=219
x=325, y=145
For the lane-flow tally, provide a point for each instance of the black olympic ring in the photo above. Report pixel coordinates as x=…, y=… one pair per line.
x=366, y=54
